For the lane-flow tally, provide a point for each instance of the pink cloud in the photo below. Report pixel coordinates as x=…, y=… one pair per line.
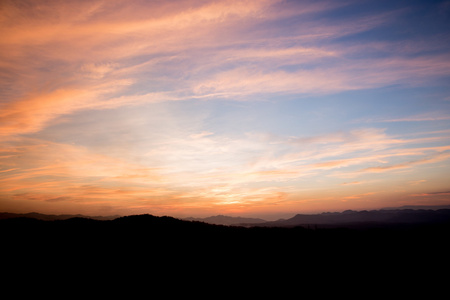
x=437, y=157
x=70, y=44
x=351, y=183
x=359, y=196
x=34, y=112
x=432, y=194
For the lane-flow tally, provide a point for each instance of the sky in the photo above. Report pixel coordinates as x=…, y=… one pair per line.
x=261, y=108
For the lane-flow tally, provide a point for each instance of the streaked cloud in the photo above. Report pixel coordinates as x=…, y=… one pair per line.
x=420, y=118
x=350, y=183
x=427, y=160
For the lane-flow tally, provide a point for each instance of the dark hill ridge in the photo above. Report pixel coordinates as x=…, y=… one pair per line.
x=227, y=220
x=151, y=237
x=150, y=244
x=347, y=218
x=350, y=218
x=426, y=207
x=147, y=223
x=44, y=217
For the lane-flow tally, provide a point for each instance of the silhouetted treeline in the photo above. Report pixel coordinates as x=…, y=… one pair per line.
x=167, y=248
x=165, y=232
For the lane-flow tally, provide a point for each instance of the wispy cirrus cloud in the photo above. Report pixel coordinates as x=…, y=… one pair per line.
x=207, y=174
x=55, y=61
x=59, y=55
x=433, y=194
x=437, y=157
x=436, y=116
x=34, y=111
x=351, y=183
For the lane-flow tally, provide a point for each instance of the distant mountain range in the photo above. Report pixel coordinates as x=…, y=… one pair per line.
x=389, y=215
x=44, y=217
x=146, y=240
x=373, y=218
x=227, y=220
x=348, y=218
x=432, y=207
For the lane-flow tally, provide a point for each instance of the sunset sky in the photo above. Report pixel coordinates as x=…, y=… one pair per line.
x=245, y=108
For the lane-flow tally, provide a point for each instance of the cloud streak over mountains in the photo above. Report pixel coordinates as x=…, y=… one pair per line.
x=138, y=105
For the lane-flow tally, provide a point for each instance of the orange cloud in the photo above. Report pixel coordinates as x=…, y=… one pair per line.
x=331, y=164
x=98, y=23
x=359, y=196
x=417, y=182
x=57, y=63
x=45, y=166
x=63, y=48
x=351, y=183
x=432, y=194
x=32, y=113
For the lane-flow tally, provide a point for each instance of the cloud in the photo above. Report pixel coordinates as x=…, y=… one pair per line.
x=60, y=58
x=351, y=183
x=205, y=171
x=417, y=182
x=331, y=164
x=381, y=169
x=244, y=82
x=72, y=56
x=201, y=134
x=8, y=170
x=437, y=157
x=58, y=199
x=353, y=153
x=33, y=112
x=69, y=165
x=420, y=118
x=359, y=196
x=446, y=193
x=100, y=23
x=98, y=70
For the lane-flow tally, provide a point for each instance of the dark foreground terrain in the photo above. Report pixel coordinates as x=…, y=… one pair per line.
x=147, y=253
x=151, y=233
x=144, y=253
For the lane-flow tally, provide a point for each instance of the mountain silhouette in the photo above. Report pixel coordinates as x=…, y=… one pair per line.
x=227, y=220
x=45, y=217
x=350, y=218
x=146, y=240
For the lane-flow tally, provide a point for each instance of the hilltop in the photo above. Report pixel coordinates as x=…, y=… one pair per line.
x=147, y=238
x=45, y=217
x=227, y=220
x=365, y=219
x=347, y=219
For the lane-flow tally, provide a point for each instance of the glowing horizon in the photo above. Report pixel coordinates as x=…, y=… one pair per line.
x=196, y=108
